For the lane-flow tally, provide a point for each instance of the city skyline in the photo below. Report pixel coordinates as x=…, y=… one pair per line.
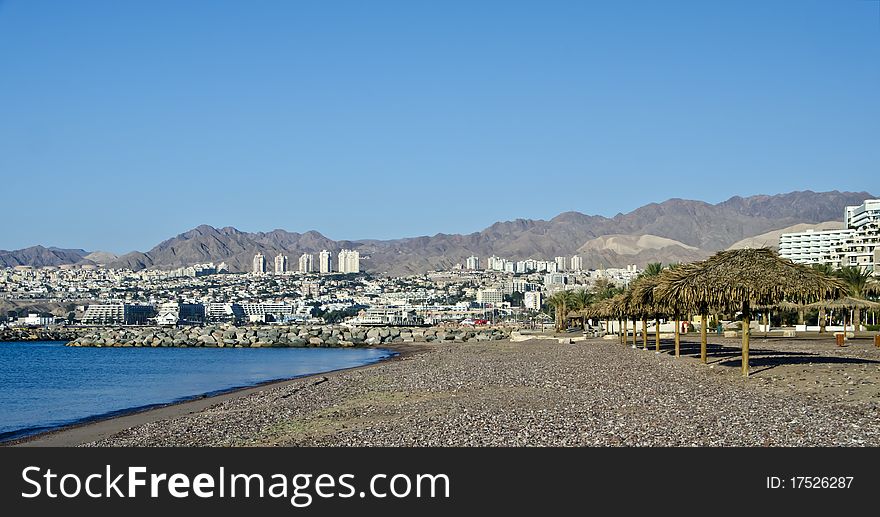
x=585, y=101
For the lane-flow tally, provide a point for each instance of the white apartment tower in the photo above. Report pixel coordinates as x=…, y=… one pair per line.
x=325, y=262
x=349, y=261
x=306, y=263
x=280, y=264
x=472, y=263
x=259, y=264
x=577, y=263
x=560, y=263
x=857, y=245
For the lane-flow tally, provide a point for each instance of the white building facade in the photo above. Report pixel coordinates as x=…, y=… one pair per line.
x=349, y=261
x=856, y=245
x=281, y=264
x=306, y=263
x=259, y=264
x=325, y=262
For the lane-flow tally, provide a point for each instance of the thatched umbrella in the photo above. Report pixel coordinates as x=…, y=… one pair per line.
x=683, y=306
x=642, y=297
x=846, y=303
x=740, y=279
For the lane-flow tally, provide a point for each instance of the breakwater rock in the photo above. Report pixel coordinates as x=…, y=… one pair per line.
x=281, y=336
x=39, y=334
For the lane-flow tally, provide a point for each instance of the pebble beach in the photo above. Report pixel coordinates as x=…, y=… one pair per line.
x=544, y=393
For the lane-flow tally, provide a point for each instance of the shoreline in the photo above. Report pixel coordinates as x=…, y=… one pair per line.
x=102, y=426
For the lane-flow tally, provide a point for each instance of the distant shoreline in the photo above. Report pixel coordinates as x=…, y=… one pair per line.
x=99, y=426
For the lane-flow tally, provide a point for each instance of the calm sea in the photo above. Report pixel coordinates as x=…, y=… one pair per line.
x=45, y=385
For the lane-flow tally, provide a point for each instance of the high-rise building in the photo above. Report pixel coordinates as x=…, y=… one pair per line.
x=472, y=263
x=306, y=263
x=280, y=264
x=259, y=264
x=325, y=262
x=349, y=261
x=560, y=263
x=577, y=263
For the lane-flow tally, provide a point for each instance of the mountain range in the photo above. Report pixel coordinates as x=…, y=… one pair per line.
x=676, y=230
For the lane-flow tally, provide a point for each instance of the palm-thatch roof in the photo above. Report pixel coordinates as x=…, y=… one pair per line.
x=744, y=278
x=756, y=277
x=847, y=302
x=613, y=307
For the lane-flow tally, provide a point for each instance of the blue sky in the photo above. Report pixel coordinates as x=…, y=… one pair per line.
x=125, y=123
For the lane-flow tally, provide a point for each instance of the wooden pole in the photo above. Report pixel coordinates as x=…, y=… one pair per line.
x=767, y=323
x=656, y=334
x=745, y=341
x=703, y=345
x=645, y=333
x=625, y=332
x=677, y=337
x=635, y=333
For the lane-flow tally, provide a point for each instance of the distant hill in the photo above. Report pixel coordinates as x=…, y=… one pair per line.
x=39, y=256
x=677, y=230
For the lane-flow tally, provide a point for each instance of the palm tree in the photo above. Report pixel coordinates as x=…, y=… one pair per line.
x=580, y=300
x=859, y=283
x=560, y=301
x=653, y=269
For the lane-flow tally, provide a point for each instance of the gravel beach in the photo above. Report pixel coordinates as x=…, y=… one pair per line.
x=543, y=393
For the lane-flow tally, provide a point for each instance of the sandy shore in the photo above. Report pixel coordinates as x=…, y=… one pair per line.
x=597, y=392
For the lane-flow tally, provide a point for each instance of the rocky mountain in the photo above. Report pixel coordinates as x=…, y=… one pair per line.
x=39, y=256
x=677, y=230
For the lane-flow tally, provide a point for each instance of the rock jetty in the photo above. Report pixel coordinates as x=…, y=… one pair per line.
x=281, y=336
x=40, y=334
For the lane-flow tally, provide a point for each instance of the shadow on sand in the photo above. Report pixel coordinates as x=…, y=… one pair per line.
x=760, y=360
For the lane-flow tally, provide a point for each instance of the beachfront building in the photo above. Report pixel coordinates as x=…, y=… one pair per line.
x=224, y=312
x=812, y=246
x=860, y=215
x=306, y=263
x=472, y=263
x=259, y=264
x=577, y=263
x=280, y=264
x=174, y=313
x=325, y=262
x=856, y=245
x=349, y=261
x=117, y=314
x=490, y=296
x=267, y=311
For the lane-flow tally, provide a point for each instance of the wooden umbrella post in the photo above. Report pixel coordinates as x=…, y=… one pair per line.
x=645, y=333
x=624, y=336
x=677, y=337
x=745, y=340
x=635, y=333
x=656, y=335
x=703, y=345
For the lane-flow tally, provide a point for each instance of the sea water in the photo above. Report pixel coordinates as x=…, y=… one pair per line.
x=45, y=385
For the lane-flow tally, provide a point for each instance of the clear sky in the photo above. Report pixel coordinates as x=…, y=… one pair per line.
x=125, y=123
